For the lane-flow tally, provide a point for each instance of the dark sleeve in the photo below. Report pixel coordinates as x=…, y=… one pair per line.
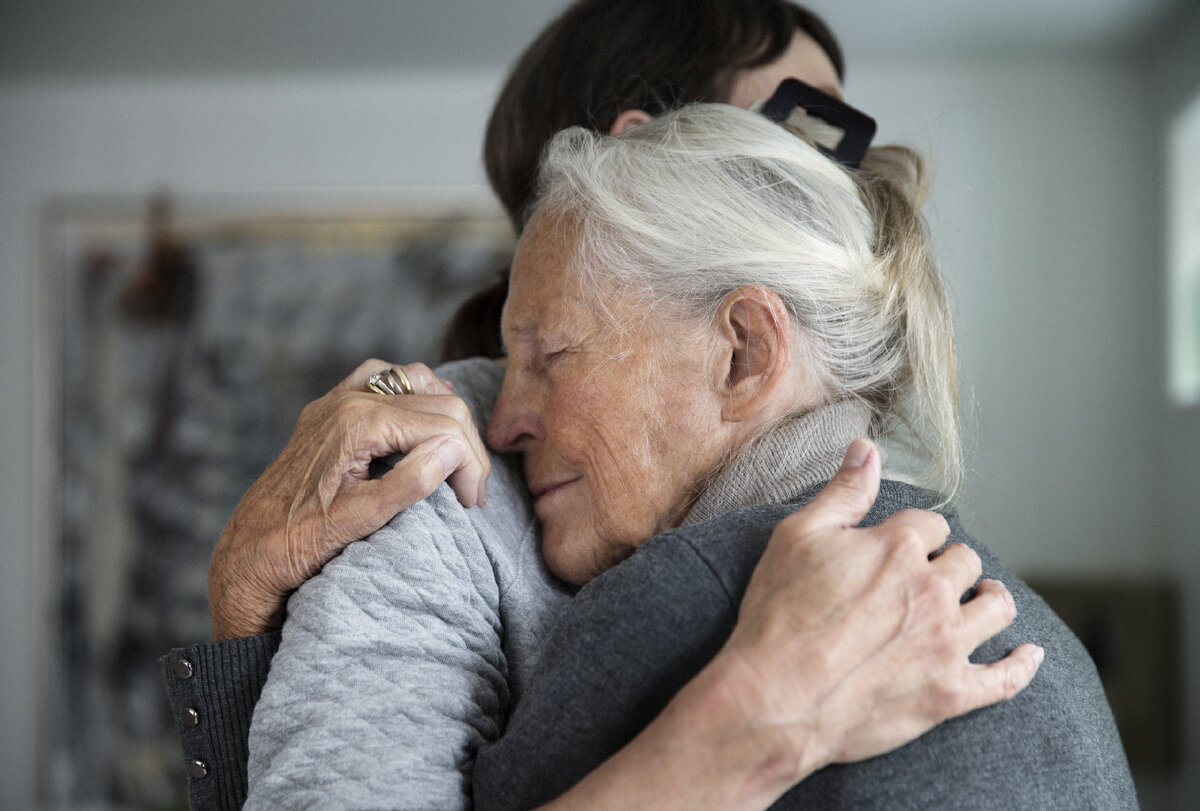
x=212, y=689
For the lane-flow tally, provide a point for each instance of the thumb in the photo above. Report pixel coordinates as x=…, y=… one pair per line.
x=849, y=495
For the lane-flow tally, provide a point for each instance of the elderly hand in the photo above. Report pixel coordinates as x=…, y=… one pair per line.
x=851, y=642
x=317, y=496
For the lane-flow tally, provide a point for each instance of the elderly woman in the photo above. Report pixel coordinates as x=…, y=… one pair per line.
x=316, y=498
x=700, y=314
x=703, y=313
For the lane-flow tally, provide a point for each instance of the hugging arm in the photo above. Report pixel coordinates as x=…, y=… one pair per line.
x=390, y=674
x=741, y=730
x=402, y=656
x=847, y=644
x=318, y=496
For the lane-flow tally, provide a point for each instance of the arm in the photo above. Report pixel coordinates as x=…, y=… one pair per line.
x=1054, y=744
x=212, y=689
x=390, y=674
x=845, y=646
x=293, y=520
x=400, y=658
x=318, y=495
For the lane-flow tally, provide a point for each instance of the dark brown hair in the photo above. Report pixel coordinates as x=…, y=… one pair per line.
x=600, y=58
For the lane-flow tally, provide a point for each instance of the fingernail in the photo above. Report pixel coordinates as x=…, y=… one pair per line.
x=1039, y=655
x=856, y=455
x=451, y=452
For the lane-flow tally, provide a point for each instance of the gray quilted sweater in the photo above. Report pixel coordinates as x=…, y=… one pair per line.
x=407, y=650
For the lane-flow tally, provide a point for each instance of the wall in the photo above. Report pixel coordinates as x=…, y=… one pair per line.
x=1045, y=217
x=1040, y=214
x=1173, y=68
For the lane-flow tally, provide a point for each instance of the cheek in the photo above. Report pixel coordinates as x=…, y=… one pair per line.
x=632, y=443
x=614, y=436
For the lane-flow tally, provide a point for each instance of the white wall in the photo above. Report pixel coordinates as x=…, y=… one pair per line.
x=1044, y=212
x=1040, y=213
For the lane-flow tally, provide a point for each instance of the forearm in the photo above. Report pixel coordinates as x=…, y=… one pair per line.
x=212, y=690
x=239, y=605
x=712, y=746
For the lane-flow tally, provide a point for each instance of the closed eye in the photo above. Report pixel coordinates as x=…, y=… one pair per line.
x=549, y=359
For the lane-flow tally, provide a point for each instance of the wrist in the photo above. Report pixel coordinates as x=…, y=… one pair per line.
x=767, y=751
x=238, y=605
x=720, y=744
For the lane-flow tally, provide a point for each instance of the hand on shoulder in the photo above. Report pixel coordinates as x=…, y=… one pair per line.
x=853, y=641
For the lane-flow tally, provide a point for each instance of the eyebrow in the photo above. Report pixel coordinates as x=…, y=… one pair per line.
x=519, y=331
x=522, y=333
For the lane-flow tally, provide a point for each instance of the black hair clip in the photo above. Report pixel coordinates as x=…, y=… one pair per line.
x=858, y=128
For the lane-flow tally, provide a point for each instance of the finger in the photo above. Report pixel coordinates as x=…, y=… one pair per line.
x=961, y=564
x=358, y=378
x=989, y=612
x=424, y=381
x=457, y=468
x=422, y=378
x=926, y=529
x=364, y=507
x=1000, y=681
x=386, y=424
x=455, y=408
x=847, y=498
x=427, y=384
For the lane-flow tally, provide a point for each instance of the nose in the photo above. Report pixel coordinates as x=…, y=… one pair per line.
x=516, y=423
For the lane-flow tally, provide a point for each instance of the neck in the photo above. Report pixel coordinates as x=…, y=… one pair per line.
x=783, y=461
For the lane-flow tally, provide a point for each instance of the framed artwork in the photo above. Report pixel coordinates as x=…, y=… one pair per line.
x=191, y=333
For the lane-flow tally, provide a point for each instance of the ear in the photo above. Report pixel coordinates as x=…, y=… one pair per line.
x=756, y=342
x=628, y=119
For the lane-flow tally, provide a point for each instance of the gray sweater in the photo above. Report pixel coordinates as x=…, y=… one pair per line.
x=406, y=653
x=635, y=635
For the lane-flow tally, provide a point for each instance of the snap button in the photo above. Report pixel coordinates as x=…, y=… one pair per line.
x=190, y=717
x=184, y=669
x=198, y=769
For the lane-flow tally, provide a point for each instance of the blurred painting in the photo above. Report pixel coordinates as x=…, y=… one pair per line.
x=189, y=344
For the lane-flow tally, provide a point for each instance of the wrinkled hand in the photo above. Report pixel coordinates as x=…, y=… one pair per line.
x=317, y=496
x=853, y=641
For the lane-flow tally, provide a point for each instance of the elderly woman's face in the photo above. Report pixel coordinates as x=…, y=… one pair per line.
x=619, y=425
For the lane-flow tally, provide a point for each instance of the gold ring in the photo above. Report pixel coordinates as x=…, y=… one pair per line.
x=390, y=381
x=398, y=377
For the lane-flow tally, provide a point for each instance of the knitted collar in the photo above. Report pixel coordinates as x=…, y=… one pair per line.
x=785, y=461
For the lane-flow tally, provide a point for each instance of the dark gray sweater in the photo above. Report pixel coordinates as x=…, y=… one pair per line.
x=638, y=633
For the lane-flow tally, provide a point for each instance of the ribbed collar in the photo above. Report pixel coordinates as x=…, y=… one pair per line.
x=785, y=461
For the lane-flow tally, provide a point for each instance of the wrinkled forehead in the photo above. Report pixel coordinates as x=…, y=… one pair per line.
x=546, y=254
x=545, y=276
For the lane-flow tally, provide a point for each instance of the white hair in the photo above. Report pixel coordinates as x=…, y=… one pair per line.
x=710, y=198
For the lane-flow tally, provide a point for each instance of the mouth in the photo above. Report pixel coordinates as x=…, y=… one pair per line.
x=543, y=490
